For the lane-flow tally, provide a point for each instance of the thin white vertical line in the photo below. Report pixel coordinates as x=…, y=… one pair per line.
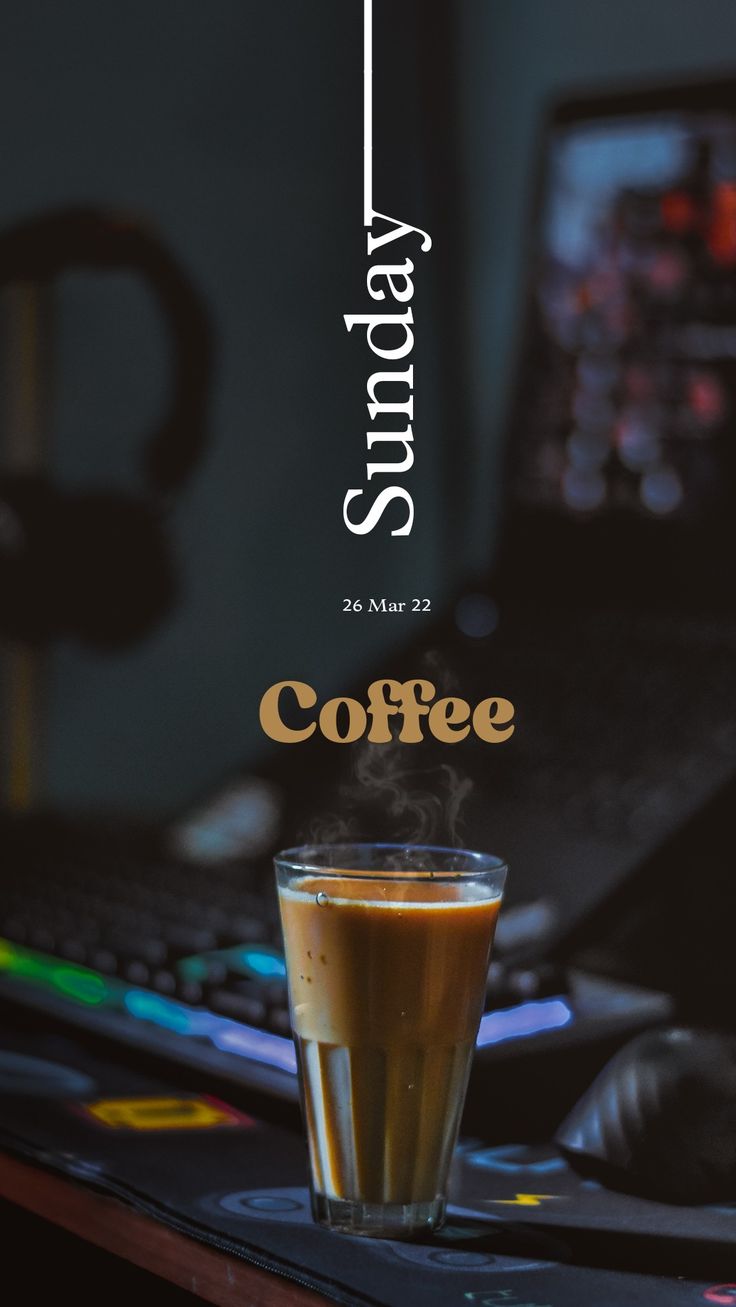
x=367, y=112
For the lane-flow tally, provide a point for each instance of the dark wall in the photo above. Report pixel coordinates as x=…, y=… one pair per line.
x=513, y=56
x=236, y=127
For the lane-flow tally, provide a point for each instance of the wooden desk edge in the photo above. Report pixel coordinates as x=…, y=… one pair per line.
x=112, y=1225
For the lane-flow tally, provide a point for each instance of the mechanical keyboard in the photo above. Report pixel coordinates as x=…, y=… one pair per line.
x=186, y=963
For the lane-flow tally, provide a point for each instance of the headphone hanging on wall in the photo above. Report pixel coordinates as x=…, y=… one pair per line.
x=97, y=564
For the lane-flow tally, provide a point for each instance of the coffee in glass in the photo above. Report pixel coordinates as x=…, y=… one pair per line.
x=387, y=952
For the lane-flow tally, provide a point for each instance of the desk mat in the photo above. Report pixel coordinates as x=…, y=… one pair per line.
x=523, y=1230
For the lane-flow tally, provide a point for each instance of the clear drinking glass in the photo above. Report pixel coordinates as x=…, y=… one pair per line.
x=387, y=952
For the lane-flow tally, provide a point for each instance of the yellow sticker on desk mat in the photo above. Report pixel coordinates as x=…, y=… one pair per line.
x=155, y=1112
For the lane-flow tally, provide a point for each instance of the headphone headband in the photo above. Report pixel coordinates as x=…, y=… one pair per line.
x=42, y=248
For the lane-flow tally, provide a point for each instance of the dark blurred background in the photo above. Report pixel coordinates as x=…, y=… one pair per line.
x=181, y=414
x=236, y=130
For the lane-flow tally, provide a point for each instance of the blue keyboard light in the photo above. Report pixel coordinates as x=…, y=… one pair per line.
x=229, y=1036
x=89, y=988
x=523, y=1021
x=250, y=1042
x=267, y=964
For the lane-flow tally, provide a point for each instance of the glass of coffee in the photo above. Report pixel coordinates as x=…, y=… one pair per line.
x=387, y=952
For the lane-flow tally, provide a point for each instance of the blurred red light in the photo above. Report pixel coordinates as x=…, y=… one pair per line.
x=679, y=212
x=722, y=228
x=705, y=397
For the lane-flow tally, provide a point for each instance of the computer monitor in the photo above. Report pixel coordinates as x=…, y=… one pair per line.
x=623, y=422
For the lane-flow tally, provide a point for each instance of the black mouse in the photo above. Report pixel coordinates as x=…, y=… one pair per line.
x=660, y=1119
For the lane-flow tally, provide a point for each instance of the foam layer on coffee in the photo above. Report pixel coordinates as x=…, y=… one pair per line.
x=401, y=889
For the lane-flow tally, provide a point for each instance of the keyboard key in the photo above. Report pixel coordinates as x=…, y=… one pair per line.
x=136, y=948
x=137, y=973
x=183, y=940
x=73, y=950
x=164, y=982
x=277, y=993
x=190, y=991
x=543, y=981
x=102, y=959
x=500, y=992
x=204, y=970
x=243, y=930
x=240, y=1007
x=41, y=938
x=279, y=1021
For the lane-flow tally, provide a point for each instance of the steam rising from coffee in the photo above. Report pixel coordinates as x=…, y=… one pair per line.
x=423, y=815
x=391, y=795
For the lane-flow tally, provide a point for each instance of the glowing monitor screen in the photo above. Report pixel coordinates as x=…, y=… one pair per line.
x=628, y=395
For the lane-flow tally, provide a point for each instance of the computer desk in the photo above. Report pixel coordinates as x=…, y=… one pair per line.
x=573, y=1243
x=116, y=1228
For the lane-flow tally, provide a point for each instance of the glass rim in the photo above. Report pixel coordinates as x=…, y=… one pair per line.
x=304, y=859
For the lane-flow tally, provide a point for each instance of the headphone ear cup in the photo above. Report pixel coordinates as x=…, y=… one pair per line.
x=28, y=593
x=95, y=565
x=113, y=567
